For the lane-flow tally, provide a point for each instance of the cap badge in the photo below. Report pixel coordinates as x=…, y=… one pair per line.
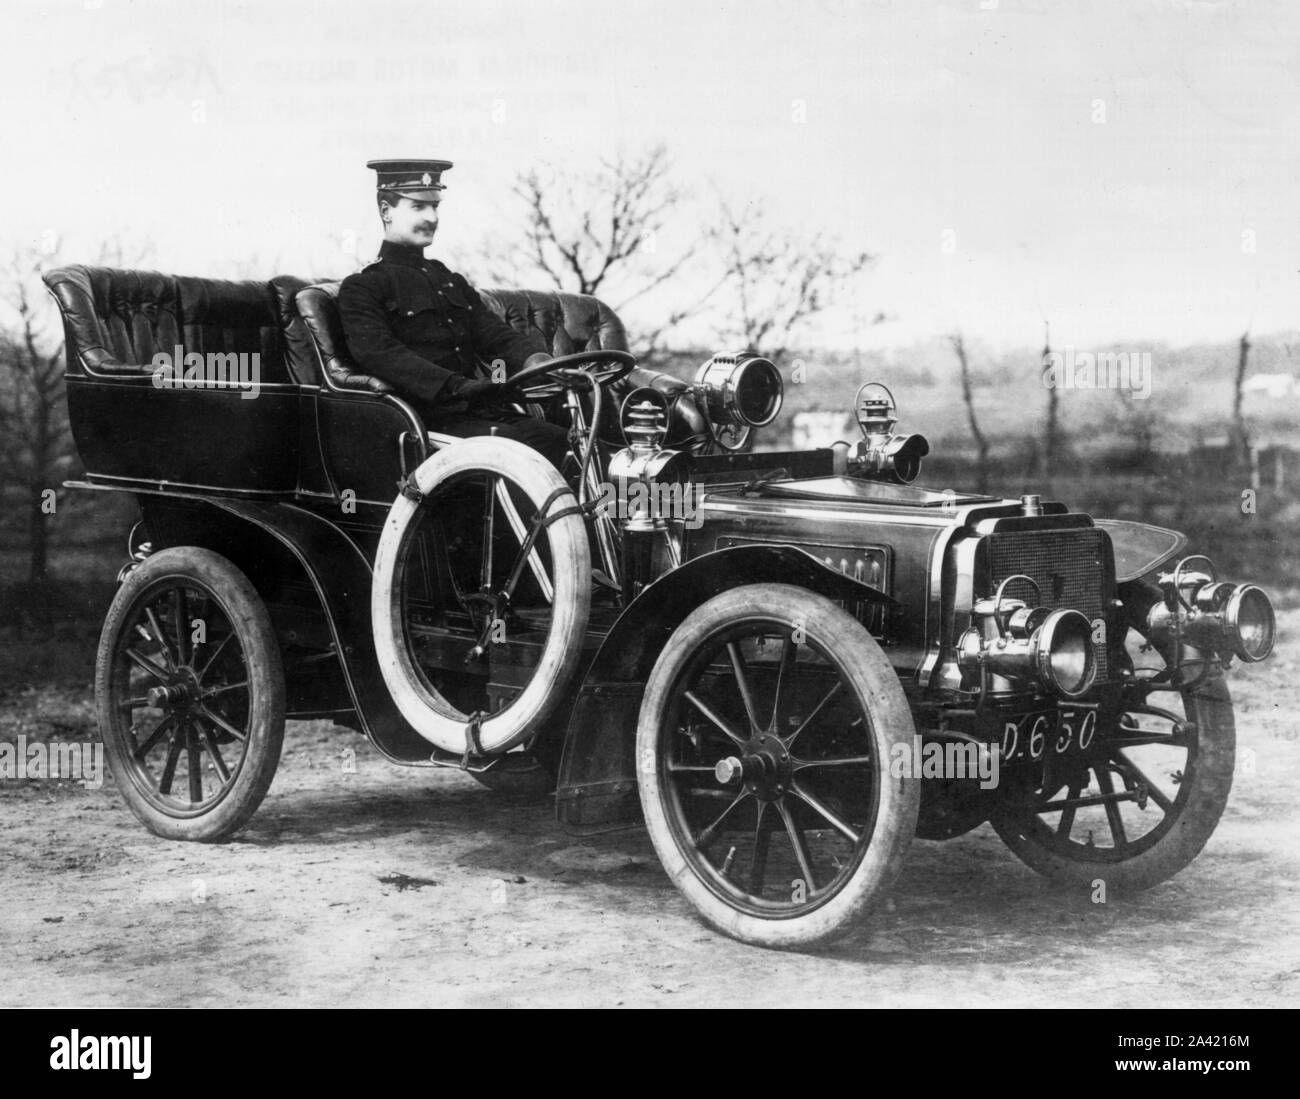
x=426, y=179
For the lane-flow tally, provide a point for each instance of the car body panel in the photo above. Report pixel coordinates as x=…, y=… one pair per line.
x=334, y=565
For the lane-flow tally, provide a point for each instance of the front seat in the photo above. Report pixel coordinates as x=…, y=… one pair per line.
x=568, y=322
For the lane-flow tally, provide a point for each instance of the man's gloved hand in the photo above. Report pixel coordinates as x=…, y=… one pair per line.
x=474, y=391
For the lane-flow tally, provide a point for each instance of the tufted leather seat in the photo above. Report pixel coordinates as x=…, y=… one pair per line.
x=569, y=322
x=318, y=309
x=117, y=320
x=299, y=349
x=313, y=335
x=580, y=322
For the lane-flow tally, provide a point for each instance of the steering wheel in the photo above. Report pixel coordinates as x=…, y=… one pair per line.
x=567, y=371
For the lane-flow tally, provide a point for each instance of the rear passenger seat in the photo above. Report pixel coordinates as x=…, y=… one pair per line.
x=118, y=320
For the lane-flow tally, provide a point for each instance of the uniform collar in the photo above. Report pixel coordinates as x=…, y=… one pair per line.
x=408, y=255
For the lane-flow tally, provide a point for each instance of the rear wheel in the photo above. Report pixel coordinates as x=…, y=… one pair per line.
x=189, y=687
x=762, y=758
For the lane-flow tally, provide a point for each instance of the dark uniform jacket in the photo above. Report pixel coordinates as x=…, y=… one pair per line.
x=418, y=325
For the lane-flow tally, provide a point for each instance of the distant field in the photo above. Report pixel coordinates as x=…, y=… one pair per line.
x=1190, y=392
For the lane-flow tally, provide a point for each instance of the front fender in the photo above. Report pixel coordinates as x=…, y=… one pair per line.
x=597, y=783
x=1140, y=547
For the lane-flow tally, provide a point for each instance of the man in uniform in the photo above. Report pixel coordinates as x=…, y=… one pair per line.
x=424, y=329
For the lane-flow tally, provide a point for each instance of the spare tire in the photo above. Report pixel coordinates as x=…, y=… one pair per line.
x=430, y=713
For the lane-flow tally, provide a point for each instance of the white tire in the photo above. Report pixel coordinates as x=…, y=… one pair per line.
x=428, y=712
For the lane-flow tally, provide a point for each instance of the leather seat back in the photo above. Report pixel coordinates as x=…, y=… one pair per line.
x=314, y=339
x=116, y=321
x=580, y=322
x=299, y=349
x=318, y=308
x=314, y=331
x=569, y=323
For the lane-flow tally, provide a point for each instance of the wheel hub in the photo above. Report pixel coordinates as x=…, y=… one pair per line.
x=181, y=693
x=763, y=766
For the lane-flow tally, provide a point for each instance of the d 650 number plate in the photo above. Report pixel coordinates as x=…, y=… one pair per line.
x=1042, y=733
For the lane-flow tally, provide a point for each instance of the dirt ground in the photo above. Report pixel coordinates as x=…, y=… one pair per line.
x=393, y=886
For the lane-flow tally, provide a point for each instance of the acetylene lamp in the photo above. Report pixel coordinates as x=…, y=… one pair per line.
x=882, y=455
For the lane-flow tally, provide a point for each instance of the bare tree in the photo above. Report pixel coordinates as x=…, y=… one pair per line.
x=778, y=280
x=599, y=233
x=1052, y=435
x=35, y=437
x=1240, y=437
x=968, y=396
x=36, y=449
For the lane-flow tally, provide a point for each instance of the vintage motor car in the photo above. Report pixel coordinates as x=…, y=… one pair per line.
x=758, y=654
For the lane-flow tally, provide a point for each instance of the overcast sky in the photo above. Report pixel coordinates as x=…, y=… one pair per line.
x=1127, y=170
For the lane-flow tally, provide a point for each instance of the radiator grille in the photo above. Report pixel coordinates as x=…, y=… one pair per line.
x=1073, y=568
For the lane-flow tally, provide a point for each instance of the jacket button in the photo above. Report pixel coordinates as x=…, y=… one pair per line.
x=410, y=312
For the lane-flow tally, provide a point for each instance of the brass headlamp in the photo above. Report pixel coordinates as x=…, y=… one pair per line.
x=1202, y=611
x=738, y=393
x=1011, y=641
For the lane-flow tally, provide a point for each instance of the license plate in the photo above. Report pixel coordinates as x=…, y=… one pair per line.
x=1043, y=733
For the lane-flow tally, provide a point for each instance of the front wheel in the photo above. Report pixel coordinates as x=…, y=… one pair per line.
x=1143, y=801
x=763, y=752
x=189, y=688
